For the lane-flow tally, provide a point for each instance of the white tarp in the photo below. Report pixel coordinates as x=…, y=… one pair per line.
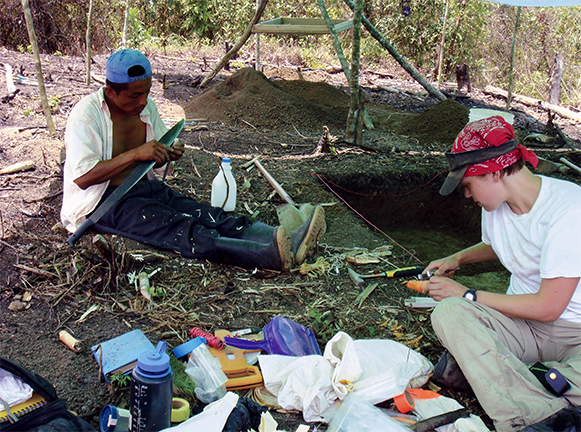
x=539, y=3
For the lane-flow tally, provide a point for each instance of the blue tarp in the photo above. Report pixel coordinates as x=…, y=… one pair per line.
x=538, y=3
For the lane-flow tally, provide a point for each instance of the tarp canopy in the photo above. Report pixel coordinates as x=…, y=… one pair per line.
x=539, y=3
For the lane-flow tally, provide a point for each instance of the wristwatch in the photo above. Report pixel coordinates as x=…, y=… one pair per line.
x=470, y=295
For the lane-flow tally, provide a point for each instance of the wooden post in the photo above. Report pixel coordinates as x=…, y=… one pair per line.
x=88, y=40
x=37, y=64
x=397, y=56
x=509, y=97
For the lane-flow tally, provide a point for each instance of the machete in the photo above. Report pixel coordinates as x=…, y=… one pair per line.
x=138, y=172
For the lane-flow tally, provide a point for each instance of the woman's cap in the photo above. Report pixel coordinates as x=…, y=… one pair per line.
x=482, y=147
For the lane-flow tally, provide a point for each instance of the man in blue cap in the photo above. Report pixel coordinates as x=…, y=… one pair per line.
x=113, y=129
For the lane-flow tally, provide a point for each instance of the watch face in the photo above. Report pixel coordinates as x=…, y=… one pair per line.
x=470, y=295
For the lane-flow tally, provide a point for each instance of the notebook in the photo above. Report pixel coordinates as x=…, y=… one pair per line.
x=119, y=355
x=35, y=402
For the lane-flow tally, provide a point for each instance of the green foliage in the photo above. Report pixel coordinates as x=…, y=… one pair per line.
x=479, y=33
x=120, y=379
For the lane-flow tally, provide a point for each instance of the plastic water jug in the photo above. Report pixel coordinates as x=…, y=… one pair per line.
x=224, y=188
x=151, y=391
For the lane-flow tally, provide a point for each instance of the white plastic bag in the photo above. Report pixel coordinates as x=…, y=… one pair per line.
x=377, y=369
x=207, y=374
x=355, y=415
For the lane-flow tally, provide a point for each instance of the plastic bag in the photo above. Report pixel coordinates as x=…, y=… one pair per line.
x=207, y=374
x=355, y=415
x=376, y=369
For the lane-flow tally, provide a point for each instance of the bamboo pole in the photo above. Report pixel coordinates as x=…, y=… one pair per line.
x=353, y=120
x=37, y=64
x=88, y=40
x=397, y=56
x=346, y=70
x=236, y=46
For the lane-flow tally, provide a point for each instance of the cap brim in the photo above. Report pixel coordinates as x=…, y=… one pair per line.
x=452, y=181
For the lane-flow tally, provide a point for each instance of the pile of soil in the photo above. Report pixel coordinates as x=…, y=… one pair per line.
x=439, y=124
x=249, y=96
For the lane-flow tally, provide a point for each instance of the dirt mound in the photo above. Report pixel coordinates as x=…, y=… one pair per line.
x=440, y=124
x=249, y=96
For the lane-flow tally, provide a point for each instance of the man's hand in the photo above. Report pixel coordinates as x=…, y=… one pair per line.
x=155, y=151
x=178, y=148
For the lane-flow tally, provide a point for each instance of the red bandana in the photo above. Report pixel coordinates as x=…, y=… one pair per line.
x=490, y=132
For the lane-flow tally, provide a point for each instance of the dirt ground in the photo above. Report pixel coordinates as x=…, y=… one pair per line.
x=383, y=193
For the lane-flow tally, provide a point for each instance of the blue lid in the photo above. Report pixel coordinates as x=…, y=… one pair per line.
x=186, y=348
x=226, y=160
x=155, y=363
x=108, y=419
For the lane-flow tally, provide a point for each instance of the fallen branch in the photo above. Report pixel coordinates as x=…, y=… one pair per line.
x=35, y=271
x=17, y=167
x=562, y=111
x=570, y=164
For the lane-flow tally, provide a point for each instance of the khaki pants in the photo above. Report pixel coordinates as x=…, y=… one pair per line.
x=495, y=352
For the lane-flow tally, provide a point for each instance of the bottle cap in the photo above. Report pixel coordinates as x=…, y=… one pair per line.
x=154, y=363
x=226, y=160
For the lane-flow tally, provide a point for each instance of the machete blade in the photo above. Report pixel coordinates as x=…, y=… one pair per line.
x=138, y=172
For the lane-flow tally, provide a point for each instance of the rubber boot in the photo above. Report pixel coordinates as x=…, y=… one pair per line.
x=259, y=232
x=305, y=237
x=275, y=255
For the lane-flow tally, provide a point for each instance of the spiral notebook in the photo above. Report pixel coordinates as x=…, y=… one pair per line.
x=35, y=402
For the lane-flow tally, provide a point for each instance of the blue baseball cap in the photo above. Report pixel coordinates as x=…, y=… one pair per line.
x=127, y=66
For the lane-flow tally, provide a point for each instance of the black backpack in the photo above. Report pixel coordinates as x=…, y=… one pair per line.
x=50, y=417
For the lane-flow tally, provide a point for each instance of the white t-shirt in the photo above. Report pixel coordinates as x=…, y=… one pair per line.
x=544, y=243
x=89, y=140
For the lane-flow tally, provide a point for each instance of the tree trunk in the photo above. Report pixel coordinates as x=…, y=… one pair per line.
x=509, y=96
x=236, y=46
x=125, y=24
x=443, y=44
x=37, y=64
x=407, y=67
x=353, y=119
x=556, y=79
x=89, y=39
x=453, y=38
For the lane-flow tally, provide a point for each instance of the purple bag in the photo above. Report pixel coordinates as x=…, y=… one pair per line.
x=281, y=336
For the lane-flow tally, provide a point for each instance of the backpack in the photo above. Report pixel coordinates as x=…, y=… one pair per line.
x=53, y=416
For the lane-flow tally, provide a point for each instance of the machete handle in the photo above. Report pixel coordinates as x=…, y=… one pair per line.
x=406, y=271
x=79, y=232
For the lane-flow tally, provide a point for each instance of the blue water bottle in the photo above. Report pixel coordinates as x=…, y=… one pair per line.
x=151, y=391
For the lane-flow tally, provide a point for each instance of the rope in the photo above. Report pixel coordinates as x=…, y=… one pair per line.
x=213, y=341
